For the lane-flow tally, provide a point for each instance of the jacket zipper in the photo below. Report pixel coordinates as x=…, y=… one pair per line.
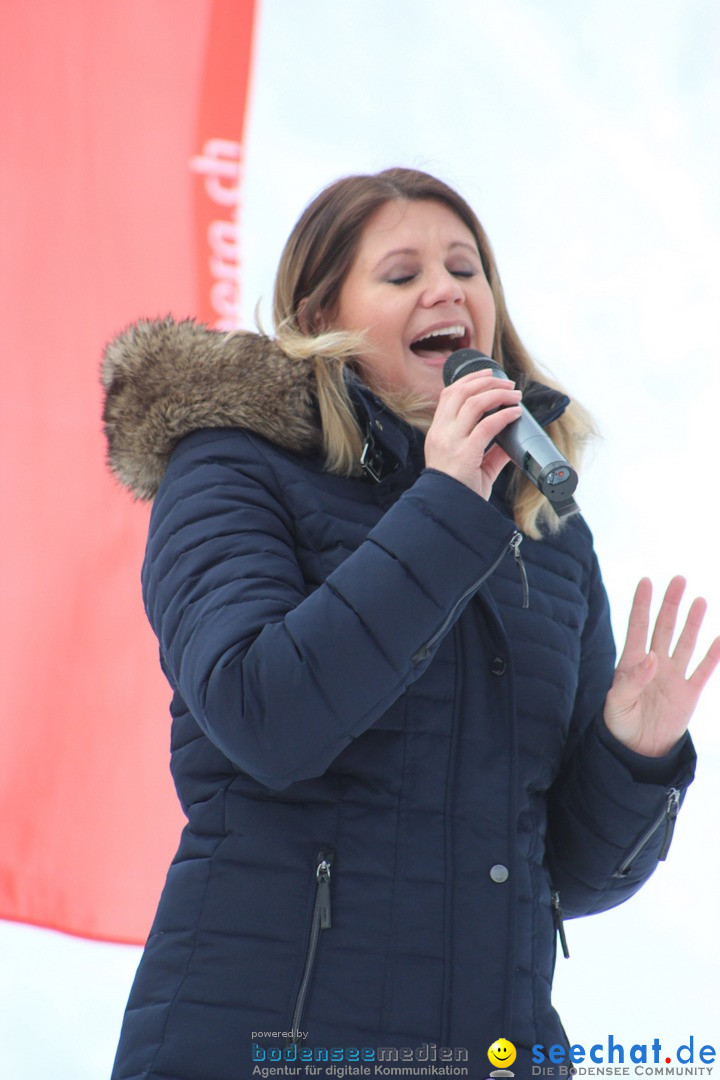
x=513, y=545
x=559, y=923
x=321, y=920
x=515, y=542
x=667, y=817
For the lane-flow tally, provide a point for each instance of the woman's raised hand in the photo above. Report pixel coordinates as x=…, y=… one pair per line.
x=463, y=425
x=650, y=702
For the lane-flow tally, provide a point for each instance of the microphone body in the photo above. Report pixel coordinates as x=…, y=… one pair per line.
x=524, y=441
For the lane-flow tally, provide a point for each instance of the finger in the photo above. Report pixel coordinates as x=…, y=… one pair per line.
x=484, y=404
x=467, y=404
x=706, y=667
x=667, y=616
x=490, y=426
x=475, y=384
x=455, y=394
x=638, y=624
x=689, y=635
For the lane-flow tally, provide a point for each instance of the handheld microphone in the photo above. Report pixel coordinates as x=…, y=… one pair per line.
x=524, y=441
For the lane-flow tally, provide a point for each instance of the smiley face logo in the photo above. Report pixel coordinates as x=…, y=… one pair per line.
x=502, y=1053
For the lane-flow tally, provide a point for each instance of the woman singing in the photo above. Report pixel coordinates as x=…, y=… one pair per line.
x=399, y=734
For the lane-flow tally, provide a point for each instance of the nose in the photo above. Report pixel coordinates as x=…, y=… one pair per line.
x=442, y=287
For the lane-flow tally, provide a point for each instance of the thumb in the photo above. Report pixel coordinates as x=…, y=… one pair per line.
x=630, y=682
x=494, y=461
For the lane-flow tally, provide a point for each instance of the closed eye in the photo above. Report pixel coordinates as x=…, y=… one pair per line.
x=410, y=277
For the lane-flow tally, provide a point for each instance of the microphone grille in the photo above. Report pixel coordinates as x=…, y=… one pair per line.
x=464, y=362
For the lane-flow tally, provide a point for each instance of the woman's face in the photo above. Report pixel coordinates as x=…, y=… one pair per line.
x=418, y=289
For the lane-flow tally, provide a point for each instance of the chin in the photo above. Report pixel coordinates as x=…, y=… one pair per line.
x=430, y=387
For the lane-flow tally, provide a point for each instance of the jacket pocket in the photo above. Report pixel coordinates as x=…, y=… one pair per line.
x=321, y=921
x=666, y=818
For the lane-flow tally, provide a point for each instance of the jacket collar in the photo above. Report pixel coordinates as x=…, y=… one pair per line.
x=388, y=439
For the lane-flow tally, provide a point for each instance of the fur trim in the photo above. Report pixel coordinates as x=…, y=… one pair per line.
x=164, y=379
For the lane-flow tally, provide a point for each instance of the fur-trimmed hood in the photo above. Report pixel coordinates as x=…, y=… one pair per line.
x=164, y=379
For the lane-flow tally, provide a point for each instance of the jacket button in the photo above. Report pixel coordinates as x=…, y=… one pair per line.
x=497, y=665
x=499, y=873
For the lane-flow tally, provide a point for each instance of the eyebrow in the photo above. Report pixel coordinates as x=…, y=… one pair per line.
x=414, y=251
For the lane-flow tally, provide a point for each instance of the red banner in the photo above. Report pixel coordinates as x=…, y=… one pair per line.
x=122, y=129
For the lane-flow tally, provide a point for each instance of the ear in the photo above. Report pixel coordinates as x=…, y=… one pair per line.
x=320, y=323
x=301, y=320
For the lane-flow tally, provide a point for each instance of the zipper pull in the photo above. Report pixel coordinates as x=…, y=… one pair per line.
x=515, y=542
x=323, y=894
x=672, y=807
x=559, y=924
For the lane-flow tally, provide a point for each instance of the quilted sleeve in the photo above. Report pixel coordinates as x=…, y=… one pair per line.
x=611, y=812
x=280, y=680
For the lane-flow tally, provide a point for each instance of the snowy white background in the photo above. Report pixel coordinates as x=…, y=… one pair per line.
x=585, y=133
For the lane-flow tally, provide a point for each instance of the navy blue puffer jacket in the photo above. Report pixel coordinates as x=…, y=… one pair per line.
x=393, y=771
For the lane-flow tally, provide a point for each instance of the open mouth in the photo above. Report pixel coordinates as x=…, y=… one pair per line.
x=441, y=342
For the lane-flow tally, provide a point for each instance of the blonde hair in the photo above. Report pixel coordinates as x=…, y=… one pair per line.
x=316, y=259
